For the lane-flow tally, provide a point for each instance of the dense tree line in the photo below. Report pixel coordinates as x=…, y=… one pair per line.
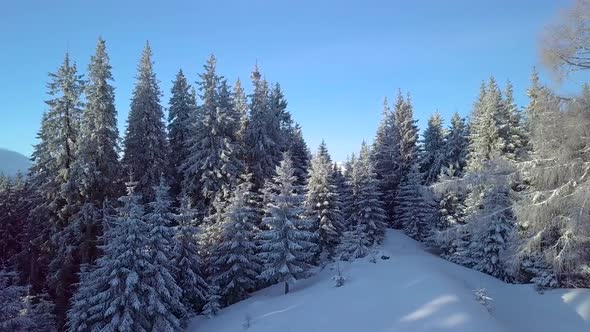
x=193, y=212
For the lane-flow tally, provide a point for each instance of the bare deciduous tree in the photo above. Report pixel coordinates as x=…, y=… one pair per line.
x=565, y=45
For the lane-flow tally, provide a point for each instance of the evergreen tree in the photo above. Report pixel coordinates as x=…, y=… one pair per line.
x=414, y=213
x=386, y=157
x=433, y=155
x=123, y=292
x=408, y=134
x=145, y=145
x=234, y=256
x=12, y=317
x=457, y=144
x=322, y=202
x=94, y=179
x=447, y=226
x=299, y=153
x=166, y=294
x=180, y=128
x=213, y=165
x=553, y=238
x=187, y=260
x=98, y=152
x=212, y=306
x=97, y=158
x=515, y=137
x=263, y=151
x=408, y=148
x=53, y=177
x=285, y=243
x=240, y=106
x=364, y=203
x=13, y=217
x=451, y=201
x=281, y=127
x=40, y=310
x=491, y=225
x=354, y=243
x=485, y=140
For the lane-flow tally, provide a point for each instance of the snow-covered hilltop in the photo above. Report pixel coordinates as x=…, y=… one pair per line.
x=412, y=290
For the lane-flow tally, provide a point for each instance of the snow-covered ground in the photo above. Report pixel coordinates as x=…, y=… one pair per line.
x=411, y=291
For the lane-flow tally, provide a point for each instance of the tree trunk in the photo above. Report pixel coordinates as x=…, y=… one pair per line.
x=286, y=287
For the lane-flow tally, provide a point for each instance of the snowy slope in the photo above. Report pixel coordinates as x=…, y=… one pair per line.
x=411, y=291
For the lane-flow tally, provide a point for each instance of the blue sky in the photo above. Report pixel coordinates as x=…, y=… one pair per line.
x=335, y=59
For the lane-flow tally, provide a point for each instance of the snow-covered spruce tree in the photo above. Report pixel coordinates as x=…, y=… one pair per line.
x=433, y=157
x=120, y=289
x=413, y=212
x=13, y=216
x=240, y=107
x=263, y=151
x=491, y=226
x=52, y=177
x=515, y=136
x=285, y=245
x=145, y=146
x=187, y=260
x=98, y=148
x=386, y=158
x=408, y=147
x=408, y=134
x=449, y=191
x=299, y=153
x=234, y=256
x=484, y=130
x=322, y=202
x=353, y=243
x=457, y=145
x=277, y=104
x=41, y=312
x=180, y=128
x=553, y=216
x=95, y=174
x=535, y=93
x=342, y=189
x=213, y=164
x=213, y=305
x=12, y=317
x=165, y=306
x=364, y=203
x=97, y=159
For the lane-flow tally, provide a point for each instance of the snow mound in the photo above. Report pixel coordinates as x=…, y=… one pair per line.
x=412, y=290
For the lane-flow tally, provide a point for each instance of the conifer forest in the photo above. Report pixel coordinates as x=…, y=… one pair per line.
x=212, y=198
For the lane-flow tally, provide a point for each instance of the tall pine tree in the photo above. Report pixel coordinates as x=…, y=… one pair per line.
x=386, y=157
x=213, y=164
x=145, y=146
x=263, y=150
x=285, y=244
x=364, y=203
x=234, y=255
x=433, y=156
x=322, y=202
x=181, y=115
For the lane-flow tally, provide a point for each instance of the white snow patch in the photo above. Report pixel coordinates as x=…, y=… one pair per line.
x=411, y=291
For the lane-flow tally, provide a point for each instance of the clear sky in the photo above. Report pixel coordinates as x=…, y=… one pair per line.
x=335, y=59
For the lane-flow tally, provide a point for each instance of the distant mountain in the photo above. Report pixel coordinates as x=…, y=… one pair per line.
x=11, y=162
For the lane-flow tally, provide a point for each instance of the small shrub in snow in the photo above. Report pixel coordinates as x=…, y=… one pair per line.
x=481, y=295
x=247, y=321
x=212, y=306
x=373, y=256
x=339, y=279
